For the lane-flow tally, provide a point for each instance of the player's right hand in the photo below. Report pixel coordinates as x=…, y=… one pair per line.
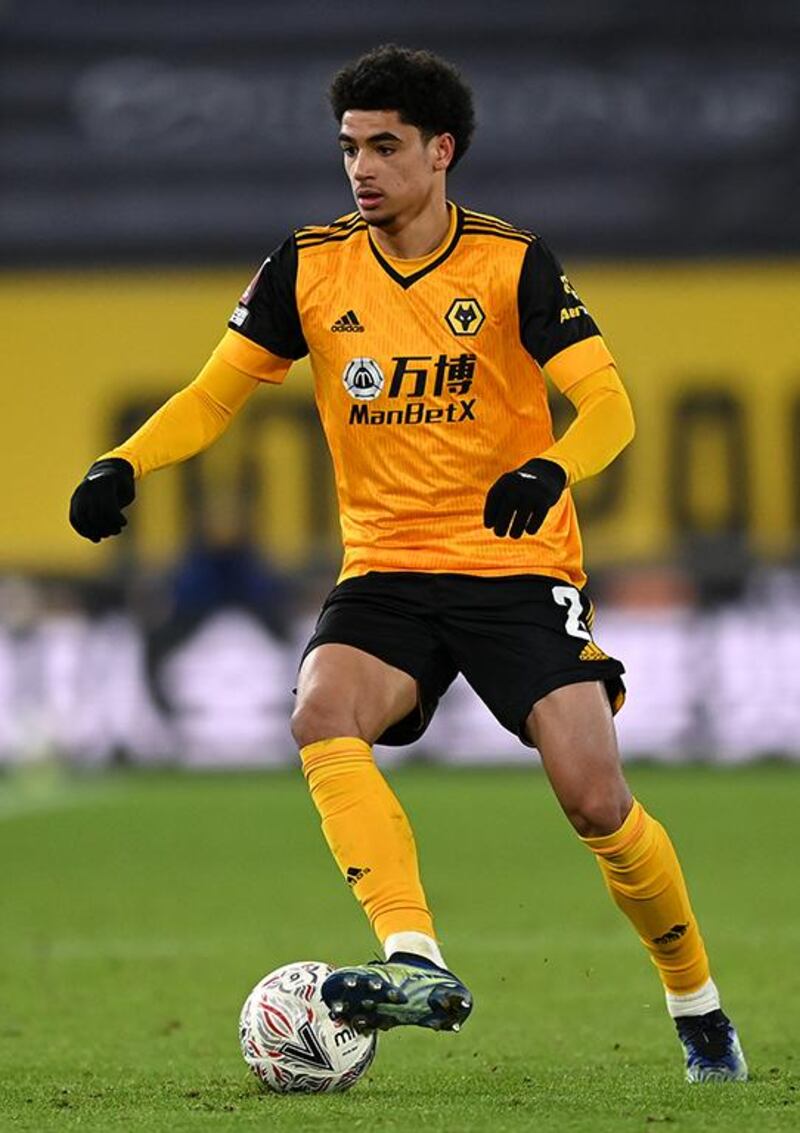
x=95, y=510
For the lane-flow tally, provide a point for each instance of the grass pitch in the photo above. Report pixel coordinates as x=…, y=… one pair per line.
x=137, y=911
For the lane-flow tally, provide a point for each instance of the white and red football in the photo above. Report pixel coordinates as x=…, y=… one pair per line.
x=289, y=1040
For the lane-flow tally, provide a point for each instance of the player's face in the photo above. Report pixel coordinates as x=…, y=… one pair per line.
x=393, y=170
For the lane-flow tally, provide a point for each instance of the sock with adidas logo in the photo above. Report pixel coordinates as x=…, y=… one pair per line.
x=643, y=875
x=369, y=836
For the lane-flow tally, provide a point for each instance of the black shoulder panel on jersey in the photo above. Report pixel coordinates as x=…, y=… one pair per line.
x=304, y=241
x=267, y=313
x=479, y=223
x=471, y=229
x=341, y=229
x=551, y=315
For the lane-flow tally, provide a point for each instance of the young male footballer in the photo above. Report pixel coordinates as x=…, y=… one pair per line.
x=430, y=328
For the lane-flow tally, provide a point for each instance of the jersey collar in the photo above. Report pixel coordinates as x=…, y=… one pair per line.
x=416, y=269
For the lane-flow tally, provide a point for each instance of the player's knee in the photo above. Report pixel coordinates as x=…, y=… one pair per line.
x=595, y=815
x=314, y=720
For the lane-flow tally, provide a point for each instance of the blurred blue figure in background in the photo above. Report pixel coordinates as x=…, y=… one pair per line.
x=222, y=567
x=217, y=656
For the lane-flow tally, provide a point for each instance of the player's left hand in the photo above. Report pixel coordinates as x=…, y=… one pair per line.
x=518, y=502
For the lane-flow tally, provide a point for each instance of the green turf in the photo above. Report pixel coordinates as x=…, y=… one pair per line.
x=136, y=913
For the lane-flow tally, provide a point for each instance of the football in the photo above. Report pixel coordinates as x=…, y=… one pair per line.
x=289, y=1040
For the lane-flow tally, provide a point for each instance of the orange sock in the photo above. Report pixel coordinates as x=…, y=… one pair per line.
x=369, y=835
x=644, y=877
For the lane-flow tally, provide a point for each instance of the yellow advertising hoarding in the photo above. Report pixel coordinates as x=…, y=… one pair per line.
x=710, y=354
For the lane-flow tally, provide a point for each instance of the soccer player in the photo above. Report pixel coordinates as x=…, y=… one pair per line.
x=430, y=328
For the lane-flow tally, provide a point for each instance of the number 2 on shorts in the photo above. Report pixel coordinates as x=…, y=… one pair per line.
x=568, y=596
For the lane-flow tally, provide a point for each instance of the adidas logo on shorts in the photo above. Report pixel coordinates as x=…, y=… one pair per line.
x=348, y=322
x=592, y=652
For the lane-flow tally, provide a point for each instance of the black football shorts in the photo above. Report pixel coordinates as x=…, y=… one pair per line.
x=514, y=638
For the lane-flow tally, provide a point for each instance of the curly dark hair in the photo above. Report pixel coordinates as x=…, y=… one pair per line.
x=424, y=89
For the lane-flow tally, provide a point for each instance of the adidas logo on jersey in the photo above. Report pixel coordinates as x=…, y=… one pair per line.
x=355, y=873
x=348, y=322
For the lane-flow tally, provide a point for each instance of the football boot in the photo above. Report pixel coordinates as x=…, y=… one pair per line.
x=405, y=990
x=712, y=1048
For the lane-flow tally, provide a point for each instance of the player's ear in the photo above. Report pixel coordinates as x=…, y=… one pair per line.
x=443, y=148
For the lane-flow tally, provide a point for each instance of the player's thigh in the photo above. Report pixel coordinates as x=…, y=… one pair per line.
x=517, y=639
x=574, y=731
x=344, y=691
x=374, y=666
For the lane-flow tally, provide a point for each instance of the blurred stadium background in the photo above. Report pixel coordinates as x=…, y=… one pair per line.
x=152, y=155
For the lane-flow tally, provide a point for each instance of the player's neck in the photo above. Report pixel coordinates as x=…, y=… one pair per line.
x=415, y=237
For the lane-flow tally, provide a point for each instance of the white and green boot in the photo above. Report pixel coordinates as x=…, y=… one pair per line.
x=405, y=990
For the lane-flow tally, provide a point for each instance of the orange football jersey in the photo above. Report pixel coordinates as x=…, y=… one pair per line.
x=429, y=383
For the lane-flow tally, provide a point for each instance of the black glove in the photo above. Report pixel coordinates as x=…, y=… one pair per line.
x=524, y=496
x=95, y=509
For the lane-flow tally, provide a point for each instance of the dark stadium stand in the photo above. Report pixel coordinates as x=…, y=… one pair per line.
x=136, y=133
